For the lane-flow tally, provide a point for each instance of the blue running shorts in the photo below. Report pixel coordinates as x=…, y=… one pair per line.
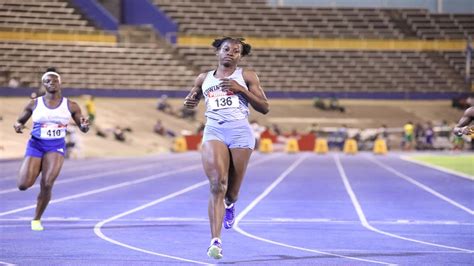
x=235, y=134
x=38, y=147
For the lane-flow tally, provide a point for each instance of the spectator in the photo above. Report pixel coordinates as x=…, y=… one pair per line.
x=419, y=136
x=341, y=136
x=444, y=130
x=429, y=135
x=276, y=130
x=313, y=129
x=382, y=132
x=90, y=109
x=408, y=139
x=334, y=105
x=119, y=134
x=164, y=106
x=14, y=82
x=100, y=133
x=458, y=142
x=319, y=103
x=162, y=131
x=294, y=133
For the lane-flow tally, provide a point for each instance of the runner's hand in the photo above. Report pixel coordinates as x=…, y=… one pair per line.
x=191, y=101
x=18, y=127
x=84, y=126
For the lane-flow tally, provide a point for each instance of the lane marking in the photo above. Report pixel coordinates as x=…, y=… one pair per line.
x=439, y=168
x=267, y=191
x=85, y=166
x=364, y=221
x=107, y=188
x=90, y=176
x=98, y=226
x=269, y=220
x=422, y=186
x=91, y=164
x=6, y=263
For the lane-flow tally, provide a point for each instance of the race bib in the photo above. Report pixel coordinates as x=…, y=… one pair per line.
x=222, y=102
x=53, y=132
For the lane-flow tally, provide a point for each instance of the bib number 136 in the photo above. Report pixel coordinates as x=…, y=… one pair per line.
x=222, y=102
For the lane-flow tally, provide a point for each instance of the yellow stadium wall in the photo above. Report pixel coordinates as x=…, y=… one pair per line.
x=337, y=44
x=62, y=37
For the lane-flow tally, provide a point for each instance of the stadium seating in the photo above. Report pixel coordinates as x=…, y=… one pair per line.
x=158, y=66
x=440, y=26
x=122, y=66
x=346, y=70
x=41, y=15
x=255, y=18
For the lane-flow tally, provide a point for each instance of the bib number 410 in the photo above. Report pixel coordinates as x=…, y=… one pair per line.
x=53, y=133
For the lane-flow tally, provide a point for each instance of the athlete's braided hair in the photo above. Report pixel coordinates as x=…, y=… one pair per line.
x=245, y=46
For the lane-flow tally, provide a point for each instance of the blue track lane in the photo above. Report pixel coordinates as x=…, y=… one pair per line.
x=153, y=211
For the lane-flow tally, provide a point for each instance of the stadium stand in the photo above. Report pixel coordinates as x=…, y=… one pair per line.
x=156, y=65
x=125, y=65
x=344, y=70
x=41, y=15
x=440, y=26
x=458, y=61
x=256, y=18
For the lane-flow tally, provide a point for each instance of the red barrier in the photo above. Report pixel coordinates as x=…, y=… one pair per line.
x=193, y=142
x=306, y=142
x=268, y=135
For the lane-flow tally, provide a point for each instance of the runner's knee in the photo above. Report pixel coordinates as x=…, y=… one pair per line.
x=24, y=185
x=218, y=186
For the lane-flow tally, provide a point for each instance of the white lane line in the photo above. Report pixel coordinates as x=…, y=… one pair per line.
x=364, y=221
x=267, y=191
x=439, y=168
x=422, y=186
x=91, y=176
x=90, y=164
x=107, y=188
x=98, y=226
x=6, y=263
x=269, y=220
x=84, y=166
x=85, y=177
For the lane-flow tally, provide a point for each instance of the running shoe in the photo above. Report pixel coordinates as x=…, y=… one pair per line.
x=36, y=225
x=229, y=217
x=215, y=250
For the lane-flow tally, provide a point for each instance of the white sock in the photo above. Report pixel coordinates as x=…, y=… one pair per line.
x=216, y=238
